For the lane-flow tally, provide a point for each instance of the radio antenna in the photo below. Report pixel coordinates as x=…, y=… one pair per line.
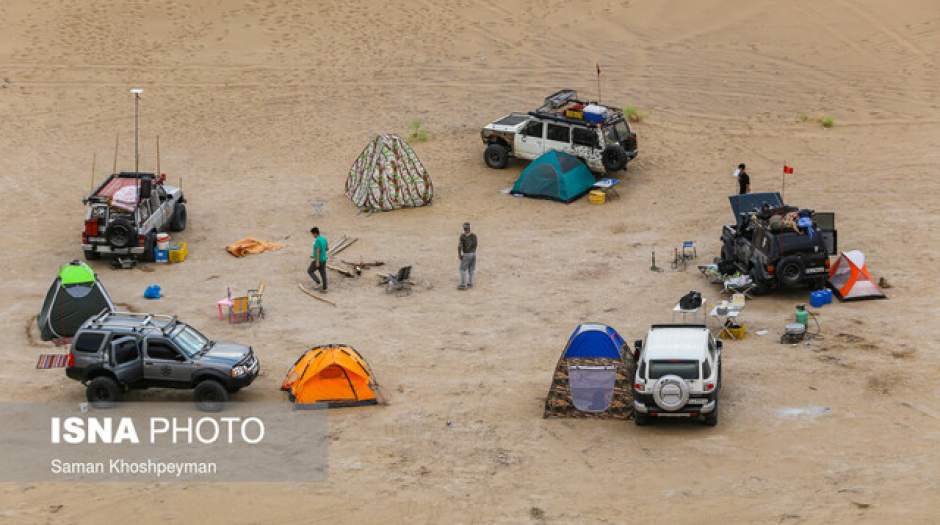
x=94, y=158
x=116, y=137
x=158, y=156
x=136, y=92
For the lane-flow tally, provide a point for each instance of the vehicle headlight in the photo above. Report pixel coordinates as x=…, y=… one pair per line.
x=239, y=371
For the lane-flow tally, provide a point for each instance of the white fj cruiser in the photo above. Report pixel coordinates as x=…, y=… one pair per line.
x=678, y=374
x=599, y=135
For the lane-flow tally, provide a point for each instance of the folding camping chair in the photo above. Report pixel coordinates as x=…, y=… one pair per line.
x=255, y=305
x=398, y=282
x=688, y=250
x=238, y=311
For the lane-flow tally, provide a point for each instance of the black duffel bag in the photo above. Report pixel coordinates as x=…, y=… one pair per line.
x=690, y=301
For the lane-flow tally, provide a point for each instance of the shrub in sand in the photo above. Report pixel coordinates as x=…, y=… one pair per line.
x=633, y=114
x=827, y=121
x=416, y=132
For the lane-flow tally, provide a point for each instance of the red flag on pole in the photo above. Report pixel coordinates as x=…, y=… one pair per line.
x=787, y=170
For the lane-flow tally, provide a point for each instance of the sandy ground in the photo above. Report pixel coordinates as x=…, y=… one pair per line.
x=262, y=106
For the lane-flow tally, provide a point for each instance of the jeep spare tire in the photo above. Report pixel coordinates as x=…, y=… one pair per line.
x=496, y=156
x=671, y=393
x=120, y=233
x=614, y=158
x=790, y=271
x=178, y=220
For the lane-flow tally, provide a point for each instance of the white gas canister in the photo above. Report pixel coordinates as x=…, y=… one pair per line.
x=163, y=241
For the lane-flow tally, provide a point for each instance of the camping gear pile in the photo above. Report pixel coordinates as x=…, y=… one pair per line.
x=593, y=377
x=331, y=376
x=554, y=175
x=75, y=295
x=388, y=175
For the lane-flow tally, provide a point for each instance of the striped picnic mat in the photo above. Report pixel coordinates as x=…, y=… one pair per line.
x=47, y=361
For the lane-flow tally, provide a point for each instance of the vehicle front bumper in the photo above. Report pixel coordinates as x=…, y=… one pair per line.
x=686, y=411
x=104, y=248
x=244, y=380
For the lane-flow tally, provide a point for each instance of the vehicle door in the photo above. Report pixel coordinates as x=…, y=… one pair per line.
x=558, y=138
x=143, y=217
x=165, y=363
x=826, y=223
x=530, y=141
x=125, y=360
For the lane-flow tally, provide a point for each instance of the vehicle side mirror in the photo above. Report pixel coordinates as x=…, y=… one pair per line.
x=719, y=344
x=637, y=346
x=146, y=186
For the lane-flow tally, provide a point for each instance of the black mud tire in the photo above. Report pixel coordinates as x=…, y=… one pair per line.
x=210, y=396
x=103, y=392
x=178, y=220
x=121, y=233
x=614, y=158
x=641, y=420
x=92, y=255
x=790, y=271
x=496, y=156
x=712, y=419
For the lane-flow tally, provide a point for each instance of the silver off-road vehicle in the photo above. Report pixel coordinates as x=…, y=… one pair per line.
x=678, y=374
x=126, y=211
x=115, y=352
x=597, y=134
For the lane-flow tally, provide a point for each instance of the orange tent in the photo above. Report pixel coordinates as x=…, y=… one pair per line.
x=851, y=280
x=331, y=376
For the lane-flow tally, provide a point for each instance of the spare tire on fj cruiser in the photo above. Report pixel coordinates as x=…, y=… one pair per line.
x=790, y=270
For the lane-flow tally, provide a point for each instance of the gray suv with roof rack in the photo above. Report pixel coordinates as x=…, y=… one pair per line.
x=115, y=352
x=597, y=134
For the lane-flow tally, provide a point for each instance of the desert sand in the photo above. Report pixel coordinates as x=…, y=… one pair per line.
x=261, y=107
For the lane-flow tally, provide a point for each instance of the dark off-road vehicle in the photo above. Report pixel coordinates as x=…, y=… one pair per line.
x=115, y=352
x=776, y=245
x=597, y=134
x=126, y=211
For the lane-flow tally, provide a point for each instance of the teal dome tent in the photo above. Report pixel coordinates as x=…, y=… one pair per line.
x=554, y=175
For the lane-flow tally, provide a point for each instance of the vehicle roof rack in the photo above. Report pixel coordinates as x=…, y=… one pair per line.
x=138, y=321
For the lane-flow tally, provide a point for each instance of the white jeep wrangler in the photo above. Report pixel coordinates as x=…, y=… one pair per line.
x=678, y=374
x=599, y=135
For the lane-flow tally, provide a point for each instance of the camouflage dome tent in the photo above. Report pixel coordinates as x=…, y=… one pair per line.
x=75, y=295
x=593, y=378
x=387, y=175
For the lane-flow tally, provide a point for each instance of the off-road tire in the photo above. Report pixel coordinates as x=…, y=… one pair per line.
x=103, y=392
x=790, y=271
x=121, y=233
x=178, y=220
x=641, y=420
x=496, y=156
x=614, y=158
x=210, y=396
x=712, y=419
x=92, y=255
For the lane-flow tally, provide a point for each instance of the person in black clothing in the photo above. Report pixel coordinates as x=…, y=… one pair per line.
x=467, y=255
x=744, y=181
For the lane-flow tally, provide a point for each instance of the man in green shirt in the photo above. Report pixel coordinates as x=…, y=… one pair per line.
x=319, y=257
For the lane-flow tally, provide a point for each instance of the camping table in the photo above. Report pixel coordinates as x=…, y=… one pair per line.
x=606, y=185
x=731, y=314
x=677, y=310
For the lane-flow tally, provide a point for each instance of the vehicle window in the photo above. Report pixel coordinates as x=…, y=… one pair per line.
x=643, y=369
x=558, y=133
x=126, y=352
x=622, y=130
x=706, y=369
x=163, y=351
x=584, y=137
x=592, y=387
x=610, y=136
x=683, y=369
x=161, y=193
x=189, y=340
x=533, y=129
x=89, y=342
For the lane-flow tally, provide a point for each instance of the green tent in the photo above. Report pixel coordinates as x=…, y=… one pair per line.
x=554, y=175
x=75, y=295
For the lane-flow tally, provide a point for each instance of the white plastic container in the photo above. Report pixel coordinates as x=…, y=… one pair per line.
x=163, y=241
x=595, y=113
